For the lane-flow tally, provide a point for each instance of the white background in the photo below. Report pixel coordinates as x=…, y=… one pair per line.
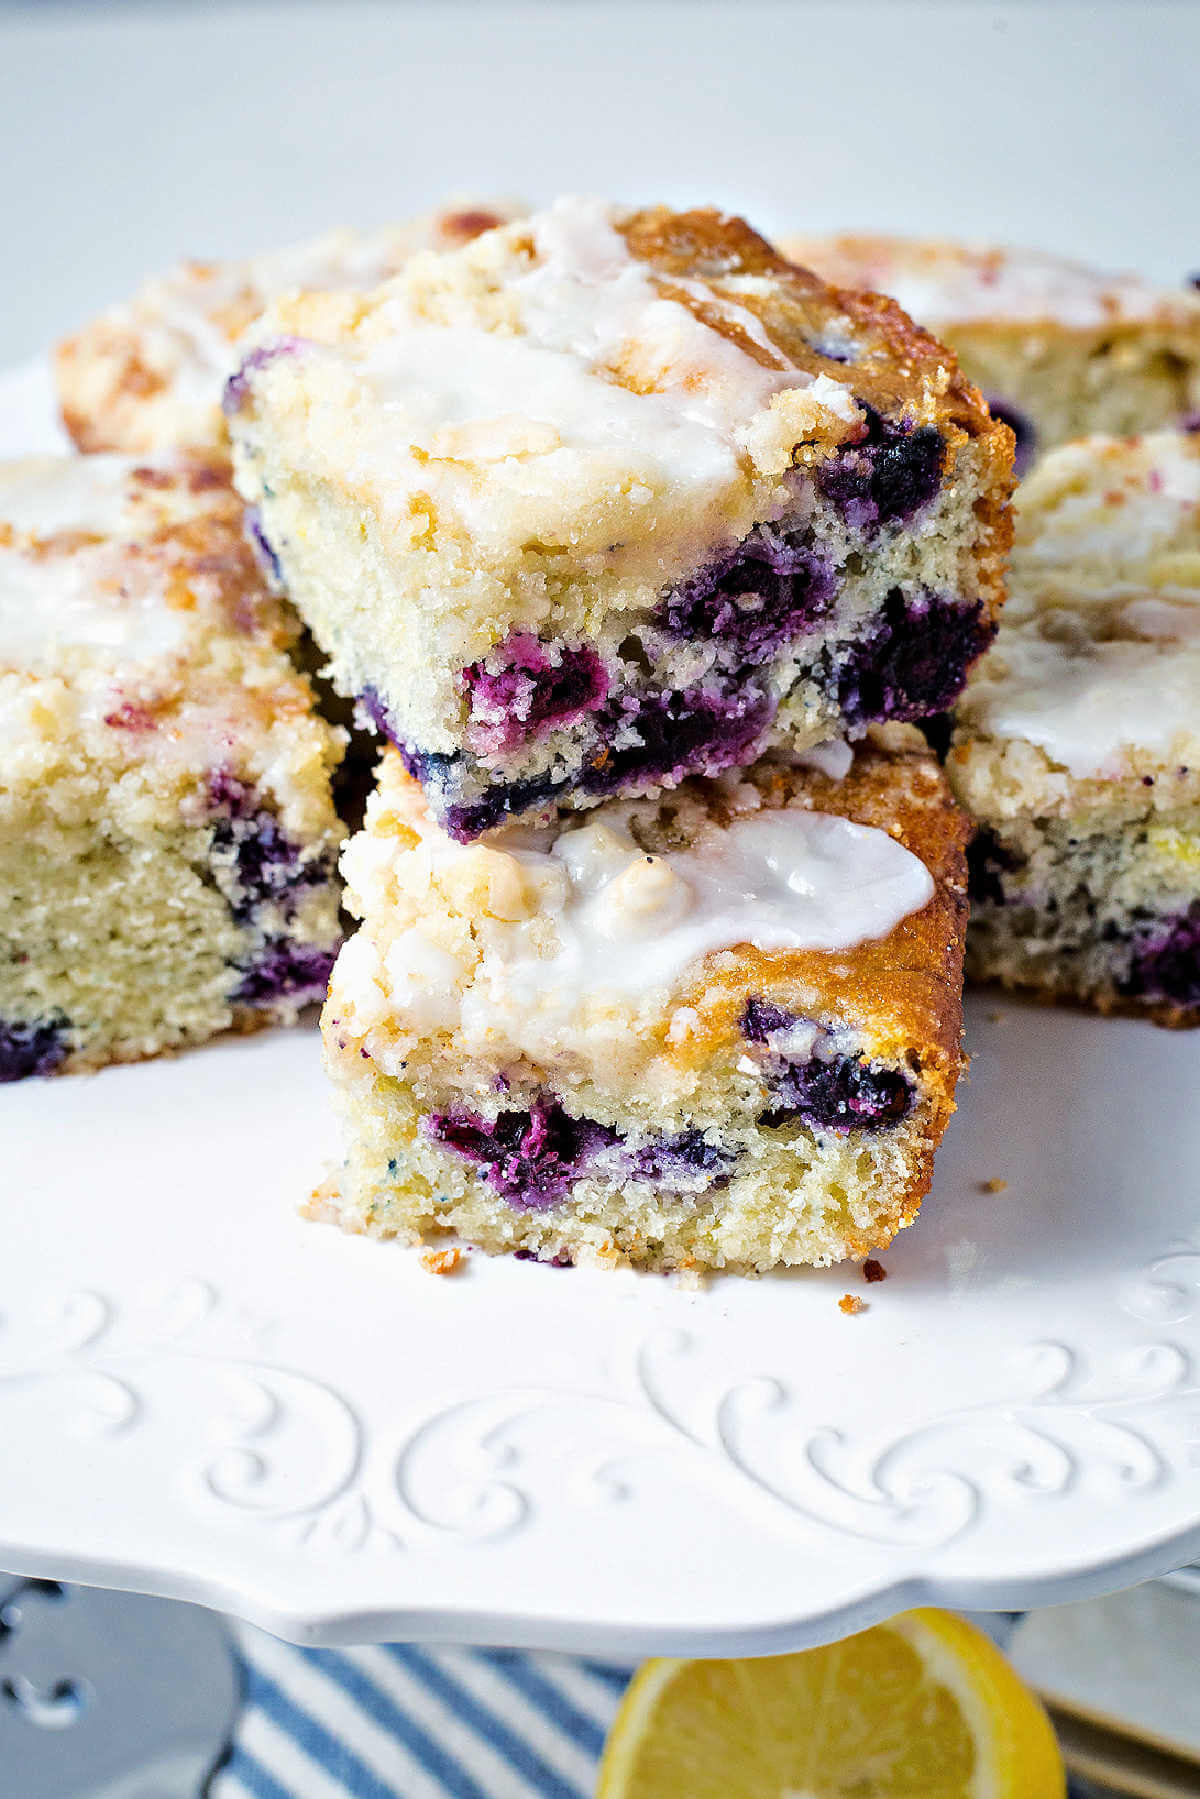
x=131, y=135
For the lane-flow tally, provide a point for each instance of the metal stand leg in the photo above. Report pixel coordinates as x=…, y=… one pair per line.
x=108, y=1692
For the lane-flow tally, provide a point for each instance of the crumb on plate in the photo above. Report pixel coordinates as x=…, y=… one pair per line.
x=442, y=1261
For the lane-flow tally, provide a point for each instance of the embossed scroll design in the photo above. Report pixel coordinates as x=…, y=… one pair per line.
x=271, y=1443
x=1167, y=1291
x=261, y=1439
x=1066, y=1427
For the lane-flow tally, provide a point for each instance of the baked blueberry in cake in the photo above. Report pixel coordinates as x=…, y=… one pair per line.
x=605, y=499
x=713, y=1028
x=1077, y=743
x=148, y=374
x=167, y=838
x=1059, y=349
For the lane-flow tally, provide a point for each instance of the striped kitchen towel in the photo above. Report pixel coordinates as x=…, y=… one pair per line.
x=401, y=1722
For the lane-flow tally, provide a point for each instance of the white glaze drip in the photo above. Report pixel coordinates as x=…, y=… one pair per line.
x=76, y=602
x=628, y=926
x=75, y=598
x=601, y=363
x=833, y=759
x=1089, y=704
x=41, y=496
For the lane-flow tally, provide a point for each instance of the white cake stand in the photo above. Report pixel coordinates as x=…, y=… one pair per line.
x=204, y=1397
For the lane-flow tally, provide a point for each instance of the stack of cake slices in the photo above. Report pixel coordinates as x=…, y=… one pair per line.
x=644, y=549
x=646, y=553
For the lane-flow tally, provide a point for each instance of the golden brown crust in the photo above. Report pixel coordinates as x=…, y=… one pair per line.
x=904, y=989
x=900, y=369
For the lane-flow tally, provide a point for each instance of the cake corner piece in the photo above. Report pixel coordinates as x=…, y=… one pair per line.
x=1061, y=350
x=167, y=835
x=717, y=1028
x=610, y=498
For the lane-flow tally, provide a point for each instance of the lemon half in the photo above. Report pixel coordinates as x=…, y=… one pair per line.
x=923, y=1707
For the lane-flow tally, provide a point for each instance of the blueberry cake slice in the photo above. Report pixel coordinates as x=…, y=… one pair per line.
x=167, y=839
x=605, y=499
x=714, y=1028
x=148, y=374
x=1077, y=743
x=1061, y=350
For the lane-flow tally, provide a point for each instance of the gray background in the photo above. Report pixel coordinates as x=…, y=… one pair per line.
x=131, y=135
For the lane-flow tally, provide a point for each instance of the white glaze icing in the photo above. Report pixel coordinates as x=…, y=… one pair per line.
x=43, y=495
x=594, y=930
x=590, y=316
x=1171, y=621
x=1090, y=704
x=75, y=598
x=946, y=285
x=779, y=879
x=51, y=601
x=74, y=602
x=1108, y=500
x=833, y=759
x=192, y=317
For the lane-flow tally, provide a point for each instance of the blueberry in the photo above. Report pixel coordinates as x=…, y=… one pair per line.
x=1167, y=968
x=285, y=970
x=915, y=661
x=695, y=731
x=268, y=561
x=682, y=1156
x=267, y=864
x=237, y=388
x=843, y=1093
x=757, y=597
x=831, y=1092
x=30, y=1048
x=988, y=861
x=532, y=1158
x=531, y=694
x=760, y=1019
x=887, y=476
x=465, y=820
x=268, y=870
x=1022, y=428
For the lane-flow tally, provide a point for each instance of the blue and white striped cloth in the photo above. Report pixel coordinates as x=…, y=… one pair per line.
x=401, y=1722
